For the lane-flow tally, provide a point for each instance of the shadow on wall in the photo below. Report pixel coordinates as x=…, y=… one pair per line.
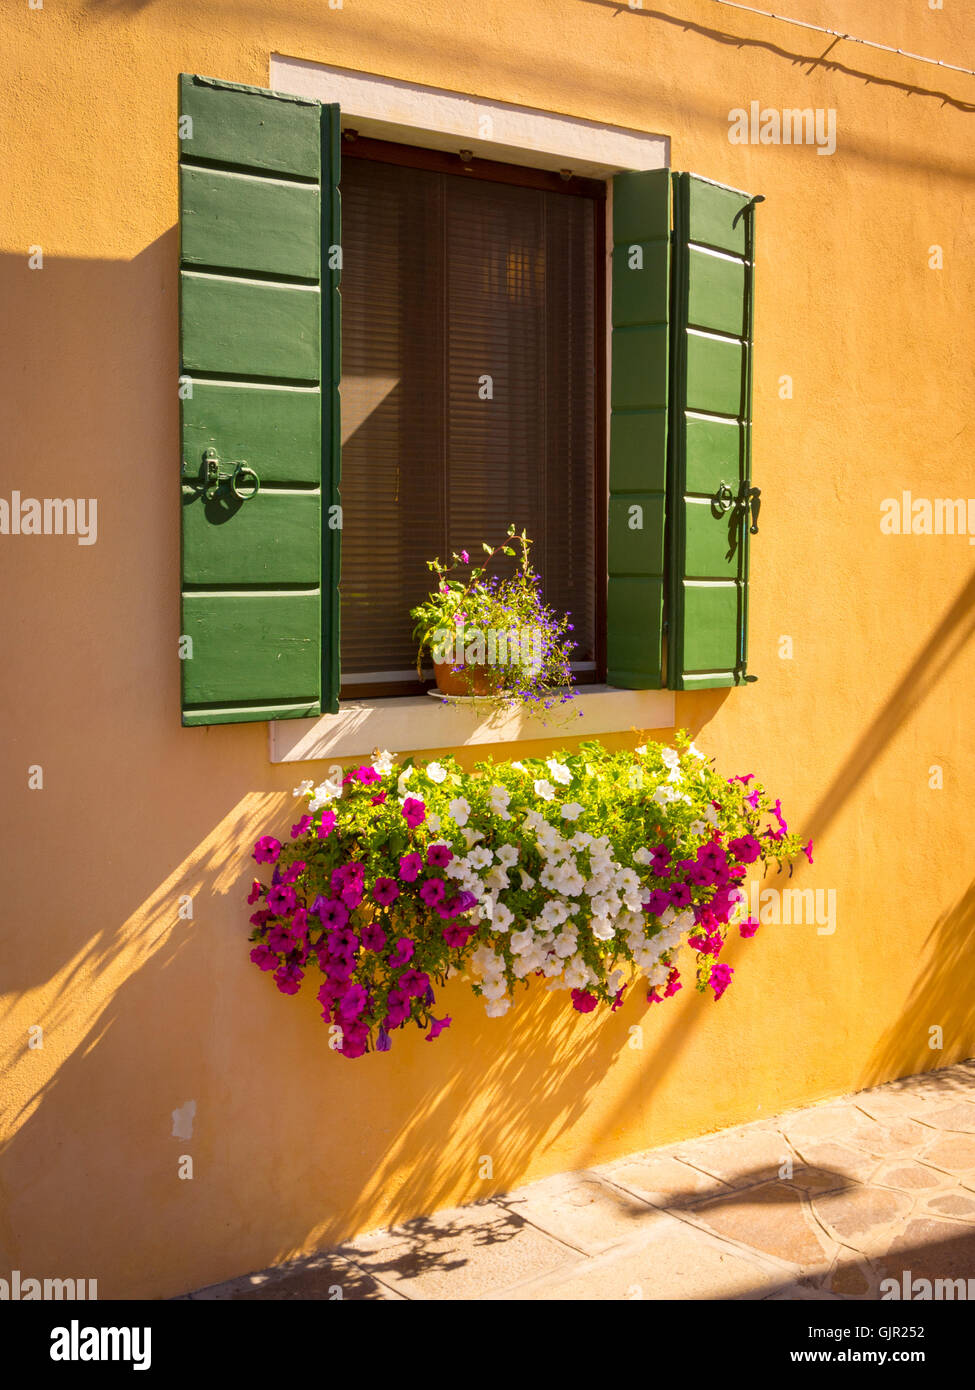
x=943, y=999
x=807, y=61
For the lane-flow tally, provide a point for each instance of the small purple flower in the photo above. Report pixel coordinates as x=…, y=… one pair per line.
x=383, y=1040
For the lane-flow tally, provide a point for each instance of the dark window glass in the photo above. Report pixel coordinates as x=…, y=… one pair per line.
x=447, y=280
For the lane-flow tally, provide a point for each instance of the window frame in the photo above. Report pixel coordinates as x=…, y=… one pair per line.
x=356, y=146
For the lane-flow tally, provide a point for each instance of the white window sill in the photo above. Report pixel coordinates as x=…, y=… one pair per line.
x=411, y=723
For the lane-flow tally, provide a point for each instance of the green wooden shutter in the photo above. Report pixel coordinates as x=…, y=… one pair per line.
x=709, y=483
x=638, y=428
x=259, y=368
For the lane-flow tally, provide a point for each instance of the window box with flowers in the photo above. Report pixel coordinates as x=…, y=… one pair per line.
x=590, y=869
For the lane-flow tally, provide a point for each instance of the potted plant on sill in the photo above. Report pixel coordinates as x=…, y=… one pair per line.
x=493, y=639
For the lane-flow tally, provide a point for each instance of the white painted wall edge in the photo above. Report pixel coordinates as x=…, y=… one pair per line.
x=386, y=108
x=409, y=724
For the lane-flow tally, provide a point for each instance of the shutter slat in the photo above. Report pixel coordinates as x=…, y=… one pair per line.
x=251, y=365
x=710, y=449
x=638, y=428
x=251, y=224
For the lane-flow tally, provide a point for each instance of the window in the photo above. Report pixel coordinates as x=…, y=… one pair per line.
x=471, y=390
x=452, y=283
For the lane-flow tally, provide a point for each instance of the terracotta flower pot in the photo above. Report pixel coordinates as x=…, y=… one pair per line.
x=470, y=680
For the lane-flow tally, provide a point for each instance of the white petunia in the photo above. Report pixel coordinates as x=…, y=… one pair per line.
x=670, y=757
x=697, y=827
x=497, y=879
x=642, y=748
x=572, y=810
x=502, y=917
x=507, y=855
x=495, y=988
x=303, y=788
x=545, y=790
x=567, y=943
x=436, y=772
x=433, y=822
x=711, y=815
x=460, y=809
x=559, y=772
x=522, y=941
x=554, y=913
x=520, y=767
x=603, y=929
x=497, y=1008
x=479, y=858
x=642, y=856
x=526, y=880
x=383, y=762
x=576, y=973
x=471, y=836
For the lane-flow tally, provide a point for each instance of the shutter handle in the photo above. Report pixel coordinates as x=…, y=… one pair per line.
x=754, y=497
x=724, y=499
x=214, y=478
x=242, y=469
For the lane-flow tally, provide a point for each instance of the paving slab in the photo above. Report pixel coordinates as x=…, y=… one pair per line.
x=819, y=1203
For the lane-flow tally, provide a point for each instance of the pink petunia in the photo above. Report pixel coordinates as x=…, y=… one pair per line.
x=583, y=1001
x=720, y=979
x=409, y=866
x=373, y=937
x=385, y=891
x=414, y=812
x=264, y=957
x=267, y=849
x=432, y=891
x=402, y=952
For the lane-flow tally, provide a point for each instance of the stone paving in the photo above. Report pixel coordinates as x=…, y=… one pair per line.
x=819, y=1203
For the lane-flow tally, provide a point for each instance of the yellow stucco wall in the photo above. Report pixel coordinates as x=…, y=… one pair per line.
x=292, y=1145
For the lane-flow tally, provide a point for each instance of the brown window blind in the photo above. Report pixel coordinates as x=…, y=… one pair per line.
x=446, y=280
